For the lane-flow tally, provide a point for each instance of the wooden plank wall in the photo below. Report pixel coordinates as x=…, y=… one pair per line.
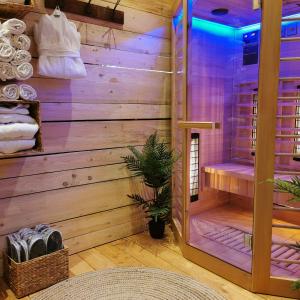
x=79, y=183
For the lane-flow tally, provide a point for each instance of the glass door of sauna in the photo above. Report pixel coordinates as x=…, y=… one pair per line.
x=223, y=65
x=285, y=251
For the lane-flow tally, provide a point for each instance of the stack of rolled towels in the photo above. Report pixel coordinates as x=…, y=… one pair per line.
x=14, y=55
x=17, y=128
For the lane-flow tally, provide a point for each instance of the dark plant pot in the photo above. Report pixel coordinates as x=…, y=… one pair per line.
x=157, y=229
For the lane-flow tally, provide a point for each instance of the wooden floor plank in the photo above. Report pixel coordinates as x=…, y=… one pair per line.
x=96, y=260
x=78, y=265
x=118, y=257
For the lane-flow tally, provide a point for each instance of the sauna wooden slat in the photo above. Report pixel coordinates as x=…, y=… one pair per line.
x=287, y=59
x=285, y=226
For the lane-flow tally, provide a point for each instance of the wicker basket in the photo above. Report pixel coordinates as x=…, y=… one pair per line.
x=34, y=275
x=34, y=110
x=9, y=9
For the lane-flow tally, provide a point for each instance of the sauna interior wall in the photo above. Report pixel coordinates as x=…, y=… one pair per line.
x=211, y=98
x=79, y=184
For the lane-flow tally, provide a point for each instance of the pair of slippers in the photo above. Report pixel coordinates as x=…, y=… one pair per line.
x=30, y=243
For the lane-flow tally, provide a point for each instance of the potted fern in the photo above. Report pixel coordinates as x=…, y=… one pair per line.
x=154, y=166
x=292, y=187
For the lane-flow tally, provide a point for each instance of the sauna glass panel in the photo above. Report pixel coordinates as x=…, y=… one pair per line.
x=178, y=114
x=285, y=251
x=223, y=88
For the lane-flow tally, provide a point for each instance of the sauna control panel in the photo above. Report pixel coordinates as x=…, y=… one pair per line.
x=250, y=48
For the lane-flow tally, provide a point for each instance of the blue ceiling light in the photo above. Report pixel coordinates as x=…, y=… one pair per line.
x=221, y=29
x=213, y=27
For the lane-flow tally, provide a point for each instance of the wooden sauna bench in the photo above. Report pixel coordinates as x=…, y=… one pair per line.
x=235, y=178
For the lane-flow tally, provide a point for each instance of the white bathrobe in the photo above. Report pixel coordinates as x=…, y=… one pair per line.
x=59, y=47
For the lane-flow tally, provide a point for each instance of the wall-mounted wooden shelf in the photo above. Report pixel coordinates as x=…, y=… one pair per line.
x=88, y=10
x=10, y=10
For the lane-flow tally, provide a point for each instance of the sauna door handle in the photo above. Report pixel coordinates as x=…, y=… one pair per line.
x=198, y=125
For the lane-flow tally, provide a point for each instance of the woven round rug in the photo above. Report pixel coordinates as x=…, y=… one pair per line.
x=129, y=284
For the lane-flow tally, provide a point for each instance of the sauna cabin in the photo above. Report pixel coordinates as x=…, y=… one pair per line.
x=235, y=119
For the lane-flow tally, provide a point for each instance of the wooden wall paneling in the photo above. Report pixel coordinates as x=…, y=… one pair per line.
x=80, y=136
x=156, y=25
x=123, y=40
x=87, y=224
x=102, y=111
x=78, y=183
x=17, y=186
x=63, y=204
x=22, y=166
x=108, y=84
x=97, y=55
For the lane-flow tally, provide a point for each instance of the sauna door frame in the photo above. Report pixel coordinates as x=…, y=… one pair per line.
x=260, y=280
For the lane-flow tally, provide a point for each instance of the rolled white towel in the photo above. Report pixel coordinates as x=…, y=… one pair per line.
x=15, y=131
x=21, y=42
x=10, y=92
x=16, y=118
x=20, y=57
x=4, y=39
x=20, y=109
x=14, y=26
x=7, y=71
x=7, y=52
x=24, y=71
x=27, y=92
x=9, y=147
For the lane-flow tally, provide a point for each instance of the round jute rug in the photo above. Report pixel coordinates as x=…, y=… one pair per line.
x=129, y=284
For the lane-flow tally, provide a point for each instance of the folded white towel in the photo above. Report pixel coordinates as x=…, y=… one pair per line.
x=27, y=92
x=7, y=52
x=21, y=56
x=13, y=26
x=17, y=109
x=7, y=71
x=10, y=92
x=8, y=147
x=15, y=131
x=21, y=42
x=24, y=71
x=16, y=118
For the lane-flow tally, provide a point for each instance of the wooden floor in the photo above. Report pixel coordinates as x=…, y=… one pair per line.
x=141, y=250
